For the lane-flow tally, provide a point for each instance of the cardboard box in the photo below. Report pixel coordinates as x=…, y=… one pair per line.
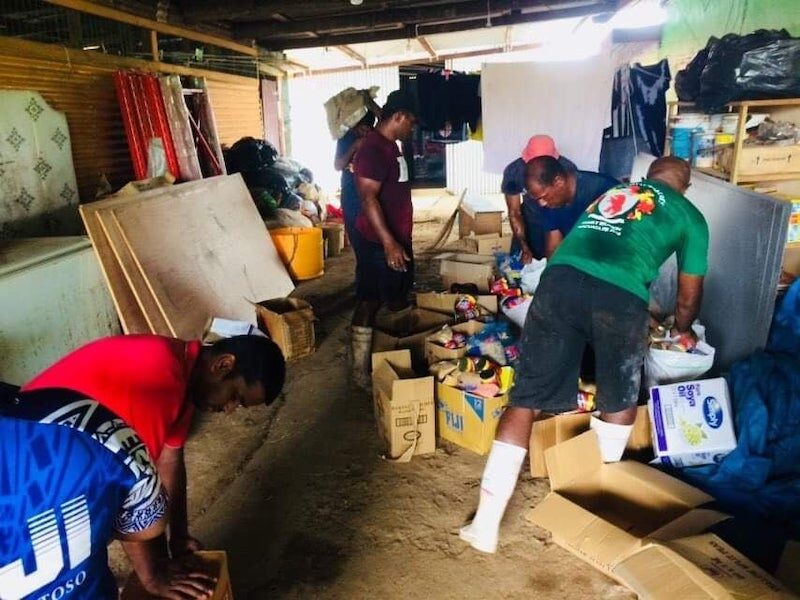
x=692, y=422
x=555, y=429
x=466, y=419
x=435, y=352
x=403, y=405
x=290, y=324
x=217, y=565
x=408, y=331
x=444, y=302
x=479, y=222
x=763, y=160
x=487, y=244
x=791, y=259
x=466, y=268
x=607, y=513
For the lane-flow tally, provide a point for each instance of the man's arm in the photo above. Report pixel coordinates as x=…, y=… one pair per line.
x=687, y=306
x=552, y=241
x=368, y=190
x=172, y=469
x=345, y=158
x=514, y=204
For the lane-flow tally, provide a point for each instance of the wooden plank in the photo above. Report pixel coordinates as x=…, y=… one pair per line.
x=205, y=252
x=130, y=314
x=114, y=14
x=138, y=286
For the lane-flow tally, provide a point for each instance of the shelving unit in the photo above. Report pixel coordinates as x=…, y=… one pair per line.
x=784, y=110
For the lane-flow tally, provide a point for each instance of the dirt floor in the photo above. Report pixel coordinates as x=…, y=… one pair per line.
x=300, y=498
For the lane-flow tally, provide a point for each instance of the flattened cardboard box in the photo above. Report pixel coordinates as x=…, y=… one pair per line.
x=217, y=566
x=467, y=419
x=445, y=302
x=555, y=429
x=465, y=269
x=403, y=406
x=435, y=352
x=408, y=330
x=613, y=515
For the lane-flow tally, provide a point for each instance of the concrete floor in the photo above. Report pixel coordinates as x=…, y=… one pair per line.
x=298, y=495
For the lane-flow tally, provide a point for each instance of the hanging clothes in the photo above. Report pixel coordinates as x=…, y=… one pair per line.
x=639, y=104
x=448, y=100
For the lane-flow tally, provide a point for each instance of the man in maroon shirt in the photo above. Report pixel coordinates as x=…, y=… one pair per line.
x=385, y=260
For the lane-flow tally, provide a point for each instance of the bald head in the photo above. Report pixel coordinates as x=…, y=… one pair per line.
x=672, y=171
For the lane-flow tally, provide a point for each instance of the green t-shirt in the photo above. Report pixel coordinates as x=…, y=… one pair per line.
x=627, y=233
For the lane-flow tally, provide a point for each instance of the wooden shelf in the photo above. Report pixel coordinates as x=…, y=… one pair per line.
x=748, y=178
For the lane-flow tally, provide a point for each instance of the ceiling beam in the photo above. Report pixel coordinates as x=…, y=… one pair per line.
x=445, y=56
x=348, y=51
x=243, y=10
x=454, y=11
x=409, y=31
x=423, y=41
x=113, y=14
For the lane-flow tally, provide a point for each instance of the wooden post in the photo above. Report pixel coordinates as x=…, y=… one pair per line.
x=154, y=45
x=741, y=131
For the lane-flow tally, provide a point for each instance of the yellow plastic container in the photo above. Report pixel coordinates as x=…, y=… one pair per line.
x=300, y=249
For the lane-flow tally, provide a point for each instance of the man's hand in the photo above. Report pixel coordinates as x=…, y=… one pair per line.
x=179, y=546
x=396, y=256
x=180, y=582
x=526, y=256
x=687, y=339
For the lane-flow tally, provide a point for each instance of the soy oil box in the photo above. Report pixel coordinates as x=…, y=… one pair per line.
x=692, y=422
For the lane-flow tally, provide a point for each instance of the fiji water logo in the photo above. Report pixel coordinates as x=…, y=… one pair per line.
x=454, y=421
x=712, y=412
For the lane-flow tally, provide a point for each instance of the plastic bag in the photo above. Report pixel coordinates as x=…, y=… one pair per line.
x=771, y=71
x=531, y=274
x=669, y=366
x=718, y=84
x=516, y=312
x=347, y=108
x=156, y=158
x=249, y=154
x=687, y=81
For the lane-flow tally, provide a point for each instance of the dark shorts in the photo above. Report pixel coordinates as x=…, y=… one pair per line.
x=375, y=281
x=571, y=309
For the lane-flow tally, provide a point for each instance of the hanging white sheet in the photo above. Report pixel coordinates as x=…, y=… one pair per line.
x=38, y=191
x=569, y=101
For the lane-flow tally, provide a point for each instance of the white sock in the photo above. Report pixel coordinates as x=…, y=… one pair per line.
x=498, y=483
x=612, y=438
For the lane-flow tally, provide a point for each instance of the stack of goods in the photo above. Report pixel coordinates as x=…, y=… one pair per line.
x=283, y=190
x=479, y=376
x=670, y=359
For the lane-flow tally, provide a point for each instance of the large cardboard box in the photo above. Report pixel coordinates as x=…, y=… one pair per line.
x=444, y=302
x=692, y=422
x=555, y=429
x=487, y=244
x=643, y=528
x=479, y=222
x=290, y=324
x=466, y=419
x=763, y=160
x=403, y=405
x=435, y=352
x=407, y=330
x=467, y=268
x=215, y=563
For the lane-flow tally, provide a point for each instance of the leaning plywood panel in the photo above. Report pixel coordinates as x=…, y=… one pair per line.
x=747, y=236
x=130, y=314
x=205, y=252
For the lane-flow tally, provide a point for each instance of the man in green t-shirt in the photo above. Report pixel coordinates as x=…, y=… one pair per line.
x=596, y=291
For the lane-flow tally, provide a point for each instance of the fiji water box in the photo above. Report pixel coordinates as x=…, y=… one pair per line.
x=692, y=422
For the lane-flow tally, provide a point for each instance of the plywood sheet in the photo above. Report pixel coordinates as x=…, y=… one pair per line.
x=204, y=251
x=130, y=314
x=133, y=275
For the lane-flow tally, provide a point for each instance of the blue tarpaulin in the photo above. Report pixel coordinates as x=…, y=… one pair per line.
x=761, y=477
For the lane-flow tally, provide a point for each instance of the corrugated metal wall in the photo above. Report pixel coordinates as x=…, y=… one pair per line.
x=79, y=84
x=465, y=160
x=310, y=142
x=237, y=109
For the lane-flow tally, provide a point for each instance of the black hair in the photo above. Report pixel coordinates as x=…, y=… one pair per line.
x=368, y=120
x=397, y=102
x=258, y=359
x=544, y=170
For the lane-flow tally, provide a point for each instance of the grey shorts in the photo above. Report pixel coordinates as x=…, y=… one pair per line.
x=571, y=309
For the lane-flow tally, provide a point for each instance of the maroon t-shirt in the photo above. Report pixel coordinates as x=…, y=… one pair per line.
x=380, y=159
